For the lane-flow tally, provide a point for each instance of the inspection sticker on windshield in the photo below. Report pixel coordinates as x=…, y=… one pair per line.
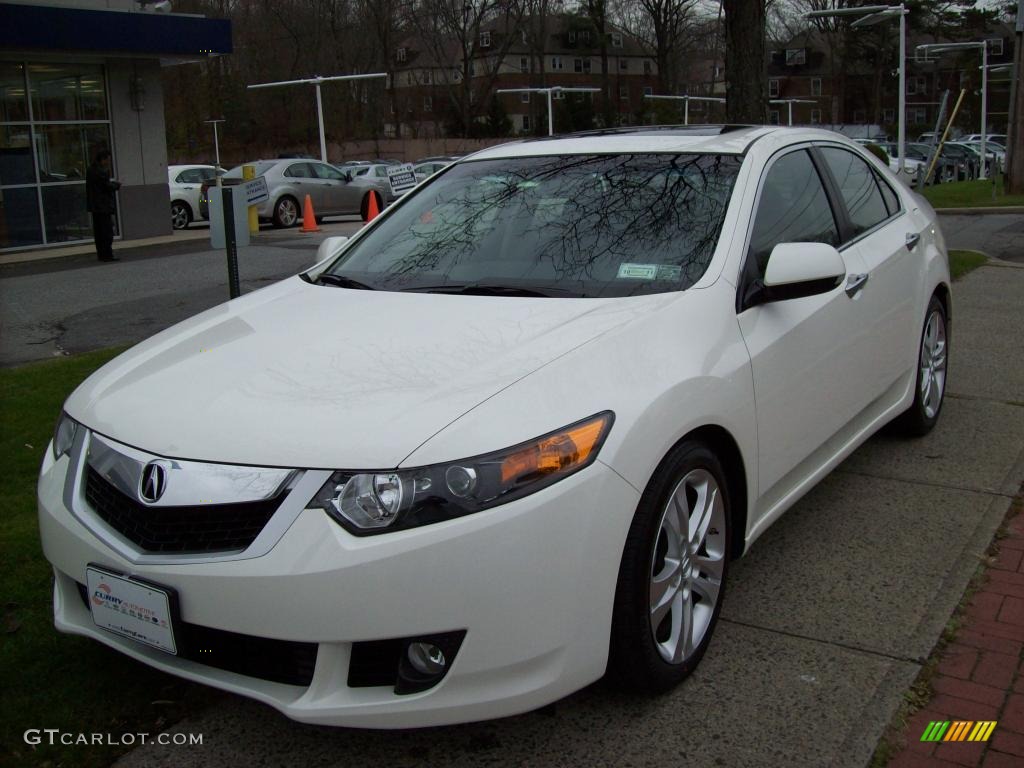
x=650, y=271
x=638, y=271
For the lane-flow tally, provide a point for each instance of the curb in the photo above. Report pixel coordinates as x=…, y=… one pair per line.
x=980, y=210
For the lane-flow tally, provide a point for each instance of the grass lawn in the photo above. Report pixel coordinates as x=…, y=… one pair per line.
x=962, y=262
x=50, y=680
x=970, y=194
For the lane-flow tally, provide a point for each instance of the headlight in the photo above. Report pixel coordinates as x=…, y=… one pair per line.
x=375, y=502
x=63, y=435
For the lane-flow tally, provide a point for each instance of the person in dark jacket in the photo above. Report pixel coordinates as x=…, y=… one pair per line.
x=99, y=198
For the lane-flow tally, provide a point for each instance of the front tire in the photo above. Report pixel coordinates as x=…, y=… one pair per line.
x=930, y=386
x=673, y=572
x=286, y=212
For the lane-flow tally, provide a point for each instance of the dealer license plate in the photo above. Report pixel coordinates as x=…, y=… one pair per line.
x=134, y=609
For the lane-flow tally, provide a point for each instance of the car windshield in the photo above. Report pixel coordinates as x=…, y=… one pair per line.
x=593, y=225
x=261, y=166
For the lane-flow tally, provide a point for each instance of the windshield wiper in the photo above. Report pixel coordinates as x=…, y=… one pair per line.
x=485, y=289
x=341, y=281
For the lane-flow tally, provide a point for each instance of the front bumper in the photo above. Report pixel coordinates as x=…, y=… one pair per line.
x=531, y=582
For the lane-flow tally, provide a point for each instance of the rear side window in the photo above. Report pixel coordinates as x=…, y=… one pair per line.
x=299, y=171
x=191, y=176
x=857, y=185
x=793, y=209
x=892, y=200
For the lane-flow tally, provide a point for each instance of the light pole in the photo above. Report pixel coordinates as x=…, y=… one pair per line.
x=549, y=91
x=686, y=101
x=874, y=14
x=216, y=147
x=319, y=103
x=791, y=102
x=983, y=44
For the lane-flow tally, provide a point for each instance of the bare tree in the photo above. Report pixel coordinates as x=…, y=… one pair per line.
x=663, y=28
x=597, y=12
x=745, y=61
x=450, y=30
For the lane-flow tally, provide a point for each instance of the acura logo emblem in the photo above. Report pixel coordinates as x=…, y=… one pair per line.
x=153, y=482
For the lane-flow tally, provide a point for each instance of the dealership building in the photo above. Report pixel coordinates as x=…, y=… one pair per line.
x=78, y=76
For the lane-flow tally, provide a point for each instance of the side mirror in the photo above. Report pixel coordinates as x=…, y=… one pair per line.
x=328, y=249
x=796, y=270
x=347, y=175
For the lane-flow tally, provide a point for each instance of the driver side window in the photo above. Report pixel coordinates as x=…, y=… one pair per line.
x=327, y=172
x=793, y=209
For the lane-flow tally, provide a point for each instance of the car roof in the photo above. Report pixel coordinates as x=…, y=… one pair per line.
x=186, y=167
x=704, y=139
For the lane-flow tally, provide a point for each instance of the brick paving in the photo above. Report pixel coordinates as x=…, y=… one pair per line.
x=980, y=675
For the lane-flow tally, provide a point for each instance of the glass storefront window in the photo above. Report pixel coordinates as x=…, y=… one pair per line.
x=16, y=155
x=13, y=104
x=67, y=92
x=19, y=217
x=64, y=152
x=64, y=213
x=48, y=138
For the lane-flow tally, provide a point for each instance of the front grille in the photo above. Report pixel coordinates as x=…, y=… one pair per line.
x=280, y=661
x=205, y=528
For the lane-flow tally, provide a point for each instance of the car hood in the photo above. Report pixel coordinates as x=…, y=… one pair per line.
x=300, y=375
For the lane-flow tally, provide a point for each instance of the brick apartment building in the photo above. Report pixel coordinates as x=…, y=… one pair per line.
x=569, y=56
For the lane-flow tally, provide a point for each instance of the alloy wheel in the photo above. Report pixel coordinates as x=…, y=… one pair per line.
x=933, y=364
x=687, y=566
x=287, y=212
x=179, y=216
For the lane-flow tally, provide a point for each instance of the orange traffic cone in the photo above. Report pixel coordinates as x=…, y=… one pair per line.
x=308, y=217
x=372, y=211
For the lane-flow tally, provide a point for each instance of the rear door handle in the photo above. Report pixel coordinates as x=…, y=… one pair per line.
x=854, y=283
x=912, y=240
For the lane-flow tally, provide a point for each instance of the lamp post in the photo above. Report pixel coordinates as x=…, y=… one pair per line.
x=983, y=44
x=875, y=14
x=216, y=147
x=319, y=103
x=686, y=102
x=549, y=91
x=791, y=102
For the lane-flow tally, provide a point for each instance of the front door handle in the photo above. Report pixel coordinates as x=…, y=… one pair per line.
x=912, y=240
x=854, y=283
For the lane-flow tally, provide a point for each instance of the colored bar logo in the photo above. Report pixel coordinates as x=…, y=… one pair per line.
x=959, y=730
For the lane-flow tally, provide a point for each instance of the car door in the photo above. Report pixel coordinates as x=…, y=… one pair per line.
x=886, y=240
x=189, y=184
x=300, y=176
x=334, y=188
x=806, y=353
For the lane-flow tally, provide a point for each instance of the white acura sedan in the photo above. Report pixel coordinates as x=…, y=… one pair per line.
x=510, y=436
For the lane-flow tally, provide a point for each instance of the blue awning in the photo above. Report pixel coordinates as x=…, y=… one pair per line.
x=50, y=28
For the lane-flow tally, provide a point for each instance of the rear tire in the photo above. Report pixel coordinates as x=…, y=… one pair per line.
x=286, y=212
x=932, y=367
x=181, y=215
x=673, y=572
x=364, y=206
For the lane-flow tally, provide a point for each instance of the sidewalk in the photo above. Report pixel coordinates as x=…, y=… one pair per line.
x=980, y=673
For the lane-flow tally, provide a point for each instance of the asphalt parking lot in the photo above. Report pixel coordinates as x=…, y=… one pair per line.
x=998, y=235
x=826, y=623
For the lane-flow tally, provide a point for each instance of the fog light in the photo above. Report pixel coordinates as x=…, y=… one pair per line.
x=427, y=658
